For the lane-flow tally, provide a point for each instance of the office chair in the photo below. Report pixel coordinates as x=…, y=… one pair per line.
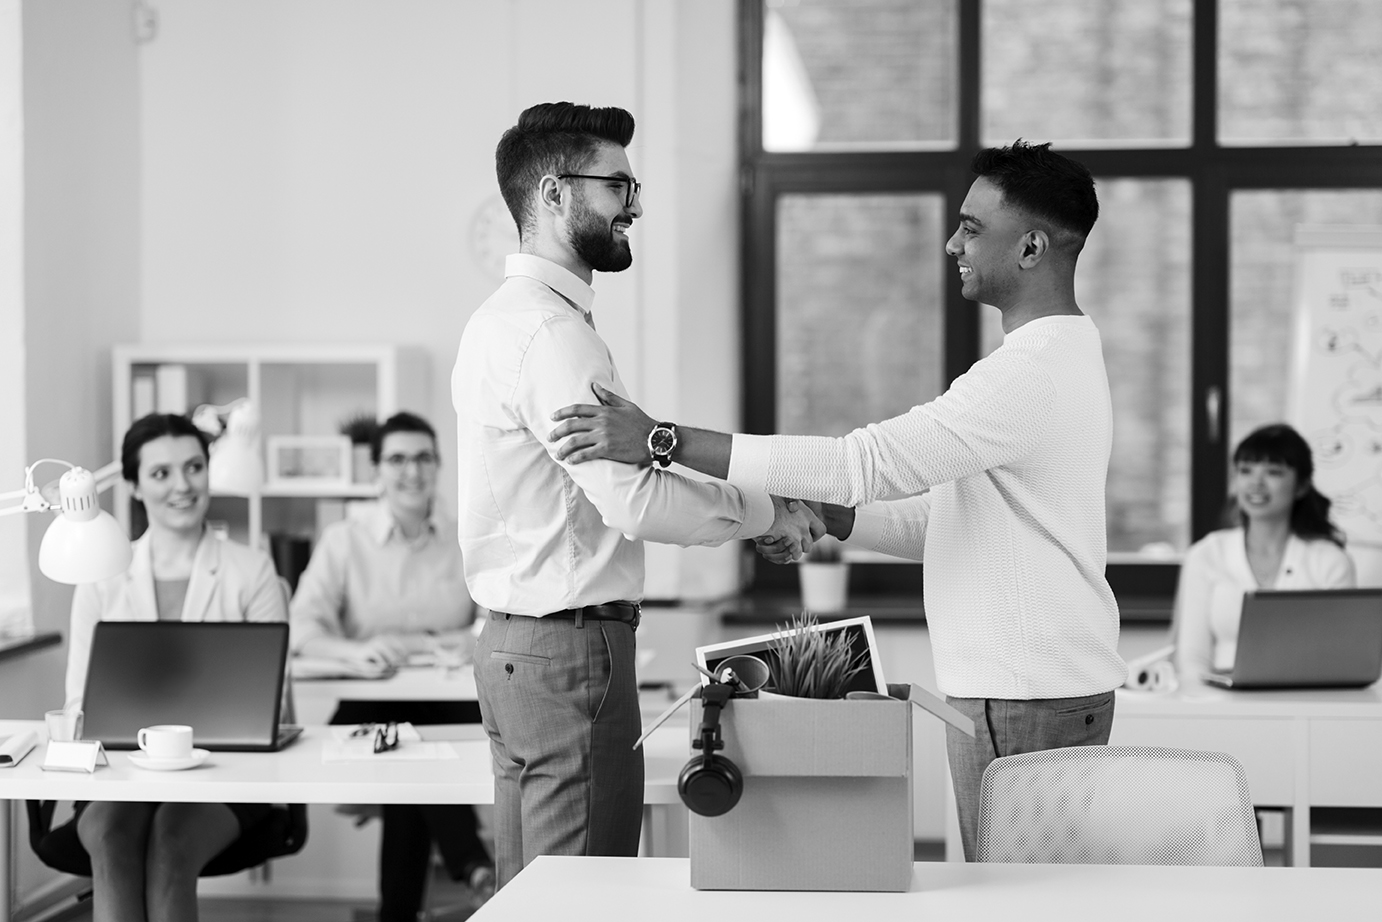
x=1117, y=805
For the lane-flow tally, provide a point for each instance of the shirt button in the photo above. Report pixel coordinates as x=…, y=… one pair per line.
x=1088, y=719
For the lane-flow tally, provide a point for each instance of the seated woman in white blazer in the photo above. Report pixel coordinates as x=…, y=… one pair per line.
x=145, y=857
x=1282, y=539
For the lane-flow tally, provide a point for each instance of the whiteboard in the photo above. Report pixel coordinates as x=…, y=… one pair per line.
x=1336, y=374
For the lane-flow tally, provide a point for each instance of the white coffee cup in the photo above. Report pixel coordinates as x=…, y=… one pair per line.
x=166, y=741
x=64, y=726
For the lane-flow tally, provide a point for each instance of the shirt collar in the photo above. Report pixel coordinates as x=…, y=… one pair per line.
x=562, y=281
x=383, y=526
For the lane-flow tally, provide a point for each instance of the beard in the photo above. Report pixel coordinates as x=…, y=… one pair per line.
x=593, y=241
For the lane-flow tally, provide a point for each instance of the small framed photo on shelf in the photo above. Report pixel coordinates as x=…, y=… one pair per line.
x=309, y=461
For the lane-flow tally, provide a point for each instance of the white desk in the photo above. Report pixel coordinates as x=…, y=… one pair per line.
x=600, y=889
x=297, y=774
x=1300, y=748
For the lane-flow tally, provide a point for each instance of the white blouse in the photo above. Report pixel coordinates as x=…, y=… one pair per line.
x=1213, y=579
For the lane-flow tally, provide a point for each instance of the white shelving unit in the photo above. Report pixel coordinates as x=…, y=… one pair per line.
x=299, y=389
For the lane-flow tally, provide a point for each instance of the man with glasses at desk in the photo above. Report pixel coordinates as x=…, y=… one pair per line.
x=379, y=588
x=554, y=552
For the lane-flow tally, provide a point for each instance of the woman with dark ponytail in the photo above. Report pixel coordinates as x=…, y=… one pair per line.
x=1278, y=536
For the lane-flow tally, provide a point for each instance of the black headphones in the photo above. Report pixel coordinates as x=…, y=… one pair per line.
x=710, y=785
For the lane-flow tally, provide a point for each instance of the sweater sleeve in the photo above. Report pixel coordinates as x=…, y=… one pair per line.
x=994, y=414
x=897, y=527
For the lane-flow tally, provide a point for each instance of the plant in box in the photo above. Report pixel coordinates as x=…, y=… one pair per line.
x=810, y=663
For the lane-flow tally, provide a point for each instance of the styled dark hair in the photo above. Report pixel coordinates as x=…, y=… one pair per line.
x=399, y=422
x=1280, y=444
x=1042, y=183
x=552, y=137
x=155, y=426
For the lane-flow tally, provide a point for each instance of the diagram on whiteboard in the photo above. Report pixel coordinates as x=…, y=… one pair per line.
x=1337, y=374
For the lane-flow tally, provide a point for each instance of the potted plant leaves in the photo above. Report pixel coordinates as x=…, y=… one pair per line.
x=360, y=427
x=809, y=663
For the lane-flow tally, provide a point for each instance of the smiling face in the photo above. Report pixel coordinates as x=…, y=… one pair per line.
x=1266, y=490
x=987, y=245
x=408, y=473
x=598, y=223
x=173, y=483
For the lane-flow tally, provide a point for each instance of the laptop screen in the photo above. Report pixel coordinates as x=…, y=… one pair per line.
x=225, y=680
x=1309, y=638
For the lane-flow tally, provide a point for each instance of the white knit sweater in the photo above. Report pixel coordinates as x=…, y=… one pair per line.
x=1014, y=456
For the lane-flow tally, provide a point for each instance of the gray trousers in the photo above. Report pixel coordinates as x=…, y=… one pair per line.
x=1008, y=728
x=560, y=705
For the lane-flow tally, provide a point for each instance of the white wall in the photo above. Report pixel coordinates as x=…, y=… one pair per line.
x=314, y=170
x=14, y=552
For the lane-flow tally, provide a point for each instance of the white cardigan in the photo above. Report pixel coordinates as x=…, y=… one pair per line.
x=1213, y=578
x=229, y=582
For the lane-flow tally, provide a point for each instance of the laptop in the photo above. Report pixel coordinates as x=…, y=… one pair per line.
x=224, y=680
x=1310, y=638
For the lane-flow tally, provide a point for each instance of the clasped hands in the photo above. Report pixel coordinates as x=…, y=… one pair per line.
x=617, y=430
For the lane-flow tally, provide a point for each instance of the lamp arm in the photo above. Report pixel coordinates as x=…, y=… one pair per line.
x=34, y=501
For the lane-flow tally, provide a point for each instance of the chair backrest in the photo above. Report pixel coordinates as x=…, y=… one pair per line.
x=1117, y=805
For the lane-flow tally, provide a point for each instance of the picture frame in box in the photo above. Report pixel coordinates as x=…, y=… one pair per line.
x=309, y=461
x=860, y=633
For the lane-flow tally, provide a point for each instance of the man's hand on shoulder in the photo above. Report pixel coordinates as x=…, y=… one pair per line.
x=616, y=430
x=795, y=529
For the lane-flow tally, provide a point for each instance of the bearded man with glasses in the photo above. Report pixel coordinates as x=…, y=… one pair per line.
x=555, y=552
x=381, y=587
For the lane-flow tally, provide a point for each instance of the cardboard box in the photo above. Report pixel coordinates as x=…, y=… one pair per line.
x=827, y=802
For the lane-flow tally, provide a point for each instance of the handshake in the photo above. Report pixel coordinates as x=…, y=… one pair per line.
x=797, y=525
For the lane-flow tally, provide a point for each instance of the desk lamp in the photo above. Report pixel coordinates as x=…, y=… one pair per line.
x=85, y=543
x=237, y=455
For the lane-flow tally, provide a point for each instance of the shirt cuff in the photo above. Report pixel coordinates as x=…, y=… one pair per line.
x=758, y=514
x=868, y=527
x=748, y=461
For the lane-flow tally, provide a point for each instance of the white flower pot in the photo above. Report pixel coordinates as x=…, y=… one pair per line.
x=824, y=586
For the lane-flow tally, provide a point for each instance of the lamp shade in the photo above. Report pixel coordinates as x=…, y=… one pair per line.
x=237, y=457
x=85, y=543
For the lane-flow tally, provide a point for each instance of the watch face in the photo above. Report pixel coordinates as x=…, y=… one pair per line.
x=662, y=441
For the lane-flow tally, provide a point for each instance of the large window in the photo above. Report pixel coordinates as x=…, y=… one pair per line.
x=1214, y=129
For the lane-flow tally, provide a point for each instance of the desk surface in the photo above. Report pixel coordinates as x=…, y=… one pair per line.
x=1199, y=700
x=297, y=774
x=599, y=889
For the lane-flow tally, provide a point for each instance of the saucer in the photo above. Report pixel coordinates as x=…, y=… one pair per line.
x=140, y=760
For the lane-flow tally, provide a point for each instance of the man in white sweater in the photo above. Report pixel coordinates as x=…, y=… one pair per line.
x=997, y=485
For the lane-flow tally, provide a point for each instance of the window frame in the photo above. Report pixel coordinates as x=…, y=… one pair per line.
x=1214, y=171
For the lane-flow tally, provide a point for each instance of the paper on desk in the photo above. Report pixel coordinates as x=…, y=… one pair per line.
x=343, y=747
x=15, y=747
x=362, y=750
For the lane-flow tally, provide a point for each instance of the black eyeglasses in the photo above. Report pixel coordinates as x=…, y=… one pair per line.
x=385, y=735
x=423, y=459
x=632, y=187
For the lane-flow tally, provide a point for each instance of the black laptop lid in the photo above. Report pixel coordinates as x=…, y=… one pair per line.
x=1318, y=638
x=225, y=680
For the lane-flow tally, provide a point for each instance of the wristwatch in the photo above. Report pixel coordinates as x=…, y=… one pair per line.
x=662, y=441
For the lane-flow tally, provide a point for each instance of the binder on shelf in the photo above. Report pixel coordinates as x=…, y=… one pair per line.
x=170, y=387
x=142, y=396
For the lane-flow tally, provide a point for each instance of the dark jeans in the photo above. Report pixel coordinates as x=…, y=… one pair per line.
x=410, y=829
x=1009, y=728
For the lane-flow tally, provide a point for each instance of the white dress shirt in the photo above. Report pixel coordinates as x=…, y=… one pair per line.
x=538, y=535
x=367, y=578
x=1015, y=455
x=1213, y=578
